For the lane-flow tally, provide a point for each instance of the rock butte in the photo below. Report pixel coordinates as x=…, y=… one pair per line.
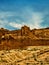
x=23, y=37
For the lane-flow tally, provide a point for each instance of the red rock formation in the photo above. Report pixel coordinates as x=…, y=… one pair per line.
x=23, y=37
x=25, y=30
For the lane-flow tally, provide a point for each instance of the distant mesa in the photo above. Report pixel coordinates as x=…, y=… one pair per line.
x=23, y=37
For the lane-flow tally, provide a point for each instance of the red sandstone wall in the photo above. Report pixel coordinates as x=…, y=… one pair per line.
x=23, y=37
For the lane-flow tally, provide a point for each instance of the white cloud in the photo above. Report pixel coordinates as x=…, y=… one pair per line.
x=30, y=18
x=33, y=21
x=15, y=25
x=4, y=15
x=36, y=20
x=3, y=23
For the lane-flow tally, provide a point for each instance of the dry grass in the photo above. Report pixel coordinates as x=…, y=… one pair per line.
x=31, y=55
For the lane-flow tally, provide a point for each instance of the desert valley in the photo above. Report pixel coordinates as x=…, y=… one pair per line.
x=24, y=46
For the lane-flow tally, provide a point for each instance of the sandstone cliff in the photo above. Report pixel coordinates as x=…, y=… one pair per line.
x=23, y=37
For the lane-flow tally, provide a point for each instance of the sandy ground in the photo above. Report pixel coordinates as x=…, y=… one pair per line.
x=32, y=55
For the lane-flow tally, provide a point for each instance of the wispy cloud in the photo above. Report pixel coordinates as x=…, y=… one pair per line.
x=15, y=25
x=33, y=13
x=36, y=20
x=28, y=17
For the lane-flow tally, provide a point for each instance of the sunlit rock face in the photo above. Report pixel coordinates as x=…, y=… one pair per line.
x=23, y=37
x=25, y=30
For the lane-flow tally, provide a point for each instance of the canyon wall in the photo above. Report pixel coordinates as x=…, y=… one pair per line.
x=23, y=37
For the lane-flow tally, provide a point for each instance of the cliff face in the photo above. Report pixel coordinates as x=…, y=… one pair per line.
x=23, y=37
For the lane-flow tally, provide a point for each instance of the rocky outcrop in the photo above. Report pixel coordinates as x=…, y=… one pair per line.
x=23, y=37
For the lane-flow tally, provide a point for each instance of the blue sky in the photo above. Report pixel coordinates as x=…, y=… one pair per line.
x=16, y=13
